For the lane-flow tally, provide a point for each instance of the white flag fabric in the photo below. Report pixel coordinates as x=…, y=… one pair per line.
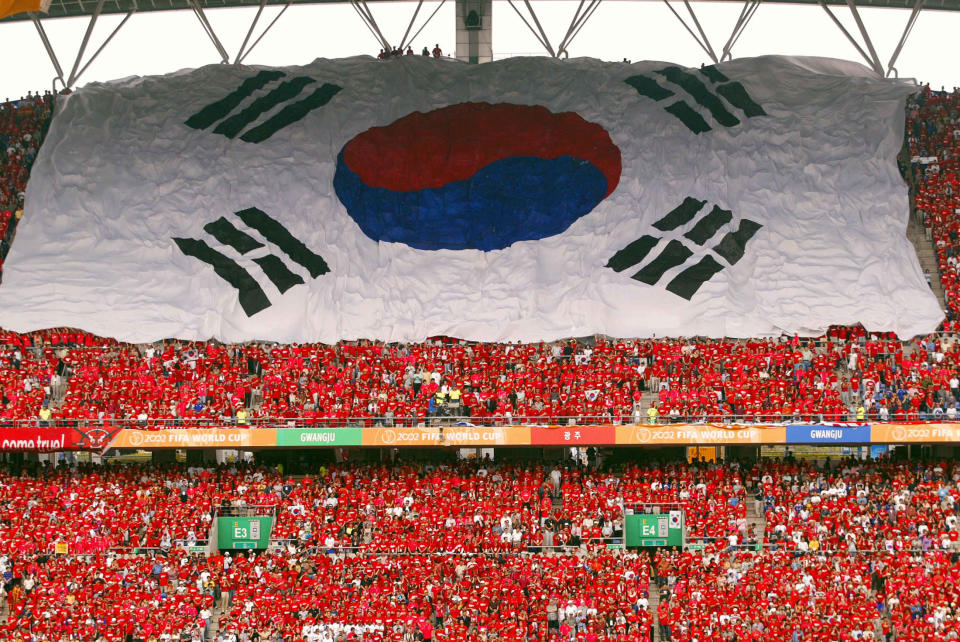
x=526, y=199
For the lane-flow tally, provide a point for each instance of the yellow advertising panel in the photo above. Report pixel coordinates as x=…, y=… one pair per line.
x=196, y=438
x=703, y=453
x=707, y=434
x=914, y=433
x=10, y=7
x=465, y=436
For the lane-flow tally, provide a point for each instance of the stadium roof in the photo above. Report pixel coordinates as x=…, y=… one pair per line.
x=95, y=8
x=74, y=8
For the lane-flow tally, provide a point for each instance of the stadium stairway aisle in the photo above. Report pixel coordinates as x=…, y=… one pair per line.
x=220, y=609
x=213, y=629
x=757, y=518
x=928, y=257
x=653, y=602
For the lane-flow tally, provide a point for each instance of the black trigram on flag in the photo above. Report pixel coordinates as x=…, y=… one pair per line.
x=249, y=120
x=252, y=297
x=714, y=94
x=730, y=248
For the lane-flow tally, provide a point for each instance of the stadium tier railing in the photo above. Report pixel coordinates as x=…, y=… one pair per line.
x=447, y=422
x=315, y=548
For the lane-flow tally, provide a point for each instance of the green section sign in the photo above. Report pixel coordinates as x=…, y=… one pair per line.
x=243, y=532
x=654, y=529
x=319, y=436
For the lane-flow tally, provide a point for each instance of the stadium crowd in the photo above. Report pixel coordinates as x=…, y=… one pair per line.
x=933, y=139
x=66, y=376
x=371, y=508
x=21, y=125
x=396, y=52
x=62, y=375
x=856, y=550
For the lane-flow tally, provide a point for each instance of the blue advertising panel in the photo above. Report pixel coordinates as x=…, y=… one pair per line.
x=828, y=434
x=878, y=451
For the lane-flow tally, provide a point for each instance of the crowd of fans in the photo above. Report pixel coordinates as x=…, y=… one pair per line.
x=364, y=507
x=63, y=375
x=21, y=125
x=857, y=550
x=933, y=140
x=68, y=376
x=396, y=52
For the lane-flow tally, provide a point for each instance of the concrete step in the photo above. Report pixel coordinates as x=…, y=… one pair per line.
x=927, y=256
x=654, y=599
x=757, y=518
x=214, y=626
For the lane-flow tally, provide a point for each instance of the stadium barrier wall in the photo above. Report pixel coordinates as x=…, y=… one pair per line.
x=101, y=438
x=42, y=439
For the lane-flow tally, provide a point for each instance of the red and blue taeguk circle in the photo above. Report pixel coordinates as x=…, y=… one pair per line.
x=476, y=176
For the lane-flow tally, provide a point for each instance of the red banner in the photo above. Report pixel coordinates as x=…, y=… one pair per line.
x=573, y=435
x=45, y=440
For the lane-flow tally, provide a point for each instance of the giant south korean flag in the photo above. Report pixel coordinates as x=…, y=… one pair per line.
x=524, y=199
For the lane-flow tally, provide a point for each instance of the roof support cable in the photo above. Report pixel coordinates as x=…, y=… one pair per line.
x=260, y=37
x=536, y=21
x=50, y=53
x=83, y=43
x=414, y=37
x=746, y=14
x=360, y=6
x=68, y=81
x=101, y=47
x=877, y=66
x=704, y=44
x=363, y=18
x=253, y=25
x=538, y=33
x=914, y=14
x=403, y=41
x=579, y=19
x=713, y=55
x=208, y=29
x=849, y=36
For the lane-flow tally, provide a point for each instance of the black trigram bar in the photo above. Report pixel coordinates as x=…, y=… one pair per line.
x=673, y=255
x=677, y=253
x=276, y=233
x=737, y=96
x=231, y=126
x=706, y=227
x=224, y=231
x=648, y=87
x=714, y=74
x=252, y=297
x=278, y=273
x=680, y=215
x=291, y=114
x=693, y=86
x=734, y=244
x=709, y=98
x=632, y=254
x=689, y=281
x=688, y=116
x=215, y=111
